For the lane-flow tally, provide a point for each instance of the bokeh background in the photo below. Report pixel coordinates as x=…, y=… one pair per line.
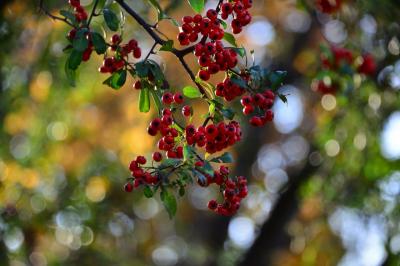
x=324, y=177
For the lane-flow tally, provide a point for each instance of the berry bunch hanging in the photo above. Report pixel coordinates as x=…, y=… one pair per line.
x=185, y=151
x=337, y=65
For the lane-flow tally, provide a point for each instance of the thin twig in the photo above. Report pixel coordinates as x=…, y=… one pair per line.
x=46, y=12
x=93, y=11
x=151, y=51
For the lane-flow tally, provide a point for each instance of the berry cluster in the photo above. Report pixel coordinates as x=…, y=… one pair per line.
x=210, y=25
x=169, y=142
x=140, y=175
x=233, y=190
x=329, y=6
x=260, y=103
x=213, y=57
x=214, y=137
x=80, y=13
x=240, y=14
x=117, y=62
x=229, y=90
x=193, y=26
x=343, y=61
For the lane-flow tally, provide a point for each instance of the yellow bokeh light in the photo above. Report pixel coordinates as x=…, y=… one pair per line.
x=96, y=188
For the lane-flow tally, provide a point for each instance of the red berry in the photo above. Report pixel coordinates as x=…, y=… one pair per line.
x=204, y=75
x=178, y=98
x=74, y=3
x=186, y=110
x=256, y=121
x=248, y=109
x=128, y=187
x=212, y=204
x=141, y=160
x=116, y=38
x=137, y=52
x=157, y=156
x=137, y=85
x=167, y=98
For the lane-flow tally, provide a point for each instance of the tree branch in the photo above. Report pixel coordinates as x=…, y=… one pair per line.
x=180, y=54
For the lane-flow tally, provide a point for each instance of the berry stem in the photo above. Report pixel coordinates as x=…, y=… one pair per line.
x=93, y=11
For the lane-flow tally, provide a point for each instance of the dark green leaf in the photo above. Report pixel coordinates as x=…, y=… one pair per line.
x=142, y=69
x=75, y=59
x=144, y=100
x=99, y=43
x=230, y=38
x=283, y=98
x=276, y=78
x=148, y=193
x=80, y=43
x=224, y=158
x=208, y=168
x=168, y=46
x=111, y=19
x=228, y=113
x=169, y=203
x=239, y=81
x=197, y=5
x=191, y=92
x=117, y=79
x=70, y=73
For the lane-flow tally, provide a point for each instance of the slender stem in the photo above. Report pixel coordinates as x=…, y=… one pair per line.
x=151, y=51
x=46, y=12
x=192, y=76
x=93, y=11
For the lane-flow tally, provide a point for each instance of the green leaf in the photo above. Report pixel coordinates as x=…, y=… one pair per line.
x=240, y=51
x=211, y=109
x=142, y=69
x=169, y=203
x=239, y=81
x=283, y=98
x=144, y=100
x=156, y=100
x=224, y=158
x=188, y=152
x=148, y=193
x=80, y=42
x=276, y=78
x=117, y=79
x=70, y=73
x=208, y=168
x=69, y=15
x=197, y=5
x=99, y=43
x=169, y=162
x=230, y=38
x=168, y=46
x=228, y=113
x=74, y=60
x=223, y=23
x=111, y=19
x=191, y=92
